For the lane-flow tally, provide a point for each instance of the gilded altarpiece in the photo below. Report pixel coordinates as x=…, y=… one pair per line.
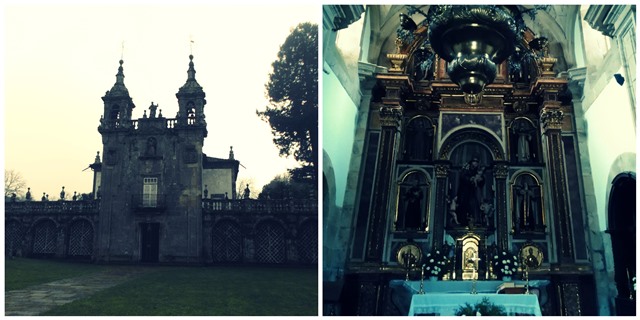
x=470, y=179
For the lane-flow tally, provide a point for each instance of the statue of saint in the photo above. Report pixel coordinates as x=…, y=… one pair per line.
x=487, y=213
x=413, y=207
x=453, y=206
x=526, y=207
x=523, y=153
x=152, y=110
x=28, y=195
x=247, y=192
x=469, y=194
x=151, y=147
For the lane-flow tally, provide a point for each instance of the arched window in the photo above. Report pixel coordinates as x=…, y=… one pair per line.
x=191, y=113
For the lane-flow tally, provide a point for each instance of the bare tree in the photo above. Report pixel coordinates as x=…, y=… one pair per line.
x=241, y=185
x=13, y=183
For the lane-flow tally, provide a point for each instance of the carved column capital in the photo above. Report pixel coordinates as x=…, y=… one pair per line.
x=390, y=116
x=551, y=118
x=500, y=171
x=442, y=170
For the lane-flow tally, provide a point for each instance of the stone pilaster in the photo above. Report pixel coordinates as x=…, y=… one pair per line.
x=440, y=209
x=551, y=119
x=500, y=172
x=569, y=291
x=390, y=117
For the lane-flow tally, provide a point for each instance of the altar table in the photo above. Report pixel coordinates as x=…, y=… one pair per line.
x=446, y=304
x=403, y=292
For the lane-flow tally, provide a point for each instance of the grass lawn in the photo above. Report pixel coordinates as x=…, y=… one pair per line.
x=20, y=273
x=201, y=291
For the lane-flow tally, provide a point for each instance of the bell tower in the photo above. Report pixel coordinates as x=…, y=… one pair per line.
x=191, y=101
x=117, y=104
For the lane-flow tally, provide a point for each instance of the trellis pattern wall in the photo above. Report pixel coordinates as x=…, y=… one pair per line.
x=260, y=232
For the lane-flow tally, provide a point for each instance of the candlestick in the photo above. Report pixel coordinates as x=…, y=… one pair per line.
x=422, y=280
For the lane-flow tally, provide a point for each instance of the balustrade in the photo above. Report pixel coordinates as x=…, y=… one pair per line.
x=45, y=207
x=260, y=206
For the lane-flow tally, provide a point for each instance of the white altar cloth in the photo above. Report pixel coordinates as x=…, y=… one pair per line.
x=446, y=304
x=485, y=286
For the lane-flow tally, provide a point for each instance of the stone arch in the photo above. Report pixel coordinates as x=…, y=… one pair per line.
x=45, y=238
x=472, y=134
x=328, y=183
x=80, y=239
x=270, y=242
x=227, y=241
x=473, y=201
x=419, y=139
x=308, y=241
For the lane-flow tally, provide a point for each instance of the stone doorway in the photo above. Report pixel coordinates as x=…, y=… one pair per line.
x=150, y=242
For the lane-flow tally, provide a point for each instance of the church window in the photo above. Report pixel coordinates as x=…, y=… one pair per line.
x=150, y=192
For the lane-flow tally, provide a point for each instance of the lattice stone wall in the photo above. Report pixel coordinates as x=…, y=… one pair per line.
x=270, y=243
x=45, y=238
x=80, y=239
x=13, y=235
x=308, y=242
x=227, y=242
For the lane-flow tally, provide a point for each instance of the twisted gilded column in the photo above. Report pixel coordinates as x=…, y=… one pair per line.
x=390, y=117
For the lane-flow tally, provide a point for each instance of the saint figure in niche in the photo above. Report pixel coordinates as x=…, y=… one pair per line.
x=412, y=195
x=470, y=192
x=151, y=147
x=524, y=137
x=413, y=207
x=527, y=206
x=419, y=140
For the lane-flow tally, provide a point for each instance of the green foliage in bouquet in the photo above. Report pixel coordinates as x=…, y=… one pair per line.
x=483, y=308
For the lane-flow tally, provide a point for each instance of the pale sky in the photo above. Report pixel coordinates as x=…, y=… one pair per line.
x=59, y=60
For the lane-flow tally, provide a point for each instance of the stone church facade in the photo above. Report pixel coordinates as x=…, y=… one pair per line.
x=157, y=198
x=426, y=168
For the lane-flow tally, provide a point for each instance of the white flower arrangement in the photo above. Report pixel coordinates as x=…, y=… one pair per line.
x=505, y=264
x=436, y=264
